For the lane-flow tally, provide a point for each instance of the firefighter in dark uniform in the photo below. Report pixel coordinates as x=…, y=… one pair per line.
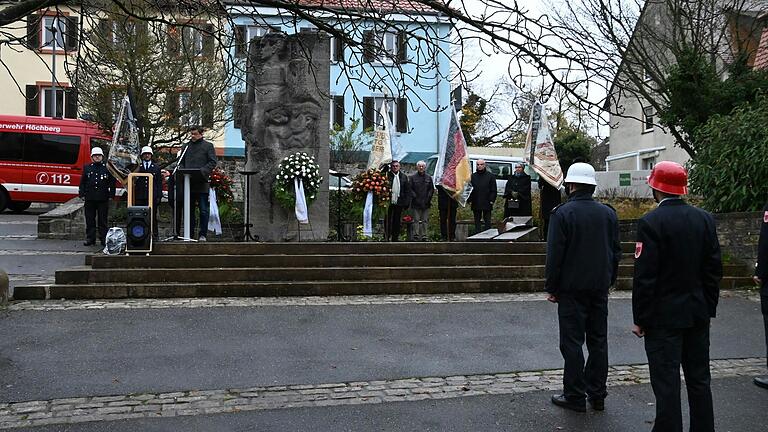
x=141, y=192
x=583, y=254
x=674, y=294
x=761, y=279
x=97, y=186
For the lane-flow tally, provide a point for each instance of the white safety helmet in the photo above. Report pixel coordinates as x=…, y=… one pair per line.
x=147, y=149
x=582, y=173
x=97, y=151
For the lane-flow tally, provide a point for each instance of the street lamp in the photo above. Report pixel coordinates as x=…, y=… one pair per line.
x=53, y=66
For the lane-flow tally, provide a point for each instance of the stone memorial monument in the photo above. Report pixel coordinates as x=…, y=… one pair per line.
x=285, y=111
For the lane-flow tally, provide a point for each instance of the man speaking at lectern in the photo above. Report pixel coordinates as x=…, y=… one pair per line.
x=196, y=153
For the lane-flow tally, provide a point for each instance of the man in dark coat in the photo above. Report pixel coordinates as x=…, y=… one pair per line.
x=422, y=190
x=674, y=294
x=448, y=208
x=761, y=279
x=97, y=187
x=518, y=193
x=200, y=155
x=141, y=186
x=549, y=198
x=583, y=254
x=483, y=195
x=400, y=200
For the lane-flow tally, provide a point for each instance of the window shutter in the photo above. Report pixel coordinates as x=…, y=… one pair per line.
x=72, y=33
x=70, y=101
x=339, y=49
x=33, y=100
x=338, y=111
x=237, y=109
x=33, y=32
x=206, y=106
x=172, y=108
x=207, y=33
x=142, y=31
x=369, y=49
x=402, y=115
x=241, y=45
x=368, y=113
x=402, y=47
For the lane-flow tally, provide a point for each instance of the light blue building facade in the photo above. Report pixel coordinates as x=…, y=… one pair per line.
x=413, y=78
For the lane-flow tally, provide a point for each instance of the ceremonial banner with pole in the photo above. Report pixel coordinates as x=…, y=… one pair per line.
x=124, y=153
x=381, y=154
x=381, y=149
x=540, y=150
x=453, y=171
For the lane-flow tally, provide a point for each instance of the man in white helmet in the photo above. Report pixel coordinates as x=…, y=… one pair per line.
x=141, y=191
x=97, y=187
x=583, y=253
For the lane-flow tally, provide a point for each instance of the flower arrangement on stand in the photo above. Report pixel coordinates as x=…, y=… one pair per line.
x=222, y=183
x=374, y=181
x=374, y=184
x=297, y=165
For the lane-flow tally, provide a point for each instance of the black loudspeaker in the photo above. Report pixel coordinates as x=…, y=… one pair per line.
x=139, y=229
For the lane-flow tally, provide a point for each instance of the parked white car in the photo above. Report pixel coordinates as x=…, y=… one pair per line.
x=500, y=166
x=333, y=182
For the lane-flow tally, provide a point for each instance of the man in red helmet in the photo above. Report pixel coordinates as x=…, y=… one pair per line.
x=674, y=295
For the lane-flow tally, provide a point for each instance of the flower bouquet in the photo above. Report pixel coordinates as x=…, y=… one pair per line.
x=222, y=183
x=374, y=181
x=300, y=166
x=371, y=187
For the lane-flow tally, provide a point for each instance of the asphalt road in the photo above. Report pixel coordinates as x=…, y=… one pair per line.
x=55, y=354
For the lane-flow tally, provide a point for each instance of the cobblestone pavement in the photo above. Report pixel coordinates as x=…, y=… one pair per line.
x=202, y=402
x=304, y=301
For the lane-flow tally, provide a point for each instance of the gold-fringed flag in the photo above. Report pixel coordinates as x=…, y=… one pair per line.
x=453, y=171
x=540, y=149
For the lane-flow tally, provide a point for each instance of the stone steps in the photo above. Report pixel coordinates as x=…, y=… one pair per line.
x=298, y=269
x=302, y=288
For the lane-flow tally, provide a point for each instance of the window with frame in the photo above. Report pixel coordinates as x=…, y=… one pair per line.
x=500, y=170
x=336, y=117
x=52, y=32
x=191, y=114
x=40, y=99
x=11, y=146
x=396, y=107
x=384, y=47
x=649, y=163
x=648, y=119
x=46, y=148
x=243, y=36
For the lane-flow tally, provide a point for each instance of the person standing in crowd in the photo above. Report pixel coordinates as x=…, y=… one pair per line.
x=483, y=195
x=583, y=254
x=422, y=191
x=141, y=185
x=518, y=193
x=198, y=154
x=400, y=200
x=674, y=295
x=549, y=199
x=448, y=208
x=97, y=187
x=761, y=280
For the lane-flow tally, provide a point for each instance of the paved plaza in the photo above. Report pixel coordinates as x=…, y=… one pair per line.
x=480, y=362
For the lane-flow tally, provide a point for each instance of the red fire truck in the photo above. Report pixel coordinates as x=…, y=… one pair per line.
x=42, y=159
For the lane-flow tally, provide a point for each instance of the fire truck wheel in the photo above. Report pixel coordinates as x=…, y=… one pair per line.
x=3, y=199
x=19, y=206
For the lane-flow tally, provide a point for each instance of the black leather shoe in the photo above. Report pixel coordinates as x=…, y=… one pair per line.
x=761, y=382
x=597, y=404
x=89, y=243
x=561, y=401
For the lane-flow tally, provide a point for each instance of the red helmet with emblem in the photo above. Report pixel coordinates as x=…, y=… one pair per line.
x=669, y=177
